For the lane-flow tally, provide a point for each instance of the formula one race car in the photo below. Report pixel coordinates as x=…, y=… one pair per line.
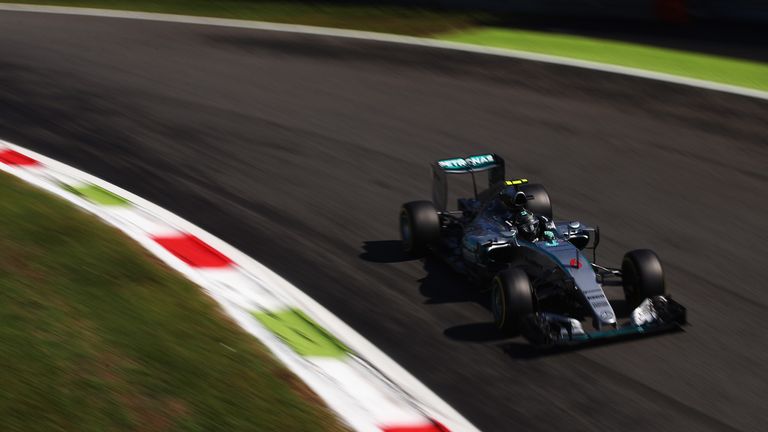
x=542, y=285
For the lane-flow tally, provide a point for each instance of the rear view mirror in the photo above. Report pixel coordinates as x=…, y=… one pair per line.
x=579, y=240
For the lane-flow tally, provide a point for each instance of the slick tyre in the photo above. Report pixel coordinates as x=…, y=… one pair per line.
x=642, y=276
x=540, y=205
x=419, y=227
x=511, y=300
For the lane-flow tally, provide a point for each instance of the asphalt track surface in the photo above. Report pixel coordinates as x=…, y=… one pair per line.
x=299, y=150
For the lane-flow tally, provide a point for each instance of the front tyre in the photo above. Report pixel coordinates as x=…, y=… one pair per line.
x=642, y=276
x=419, y=227
x=511, y=300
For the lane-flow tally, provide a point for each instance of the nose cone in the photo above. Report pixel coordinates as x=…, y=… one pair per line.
x=607, y=317
x=579, y=267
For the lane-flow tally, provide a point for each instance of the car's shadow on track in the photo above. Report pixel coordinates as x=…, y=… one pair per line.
x=440, y=285
x=443, y=285
x=384, y=251
x=521, y=349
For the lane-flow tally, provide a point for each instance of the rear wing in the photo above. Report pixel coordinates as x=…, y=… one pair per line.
x=464, y=165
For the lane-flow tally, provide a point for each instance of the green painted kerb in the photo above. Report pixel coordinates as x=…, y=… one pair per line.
x=98, y=195
x=301, y=333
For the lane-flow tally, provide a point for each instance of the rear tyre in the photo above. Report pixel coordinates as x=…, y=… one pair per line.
x=511, y=300
x=419, y=227
x=642, y=276
x=540, y=205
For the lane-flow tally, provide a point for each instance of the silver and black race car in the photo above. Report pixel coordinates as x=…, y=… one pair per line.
x=542, y=285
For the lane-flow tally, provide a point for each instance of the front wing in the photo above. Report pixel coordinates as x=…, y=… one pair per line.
x=655, y=314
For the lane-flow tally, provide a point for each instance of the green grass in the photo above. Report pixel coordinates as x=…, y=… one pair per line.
x=97, y=335
x=467, y=27
x=707, y=67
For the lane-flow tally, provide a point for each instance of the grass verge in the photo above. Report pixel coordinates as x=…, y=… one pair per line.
x=98, y=335
x=464, y=27
x=694, y=65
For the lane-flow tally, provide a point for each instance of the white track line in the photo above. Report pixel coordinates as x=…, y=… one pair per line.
x=384, y=37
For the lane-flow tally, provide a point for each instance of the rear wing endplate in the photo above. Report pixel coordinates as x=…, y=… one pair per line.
x=464, y=165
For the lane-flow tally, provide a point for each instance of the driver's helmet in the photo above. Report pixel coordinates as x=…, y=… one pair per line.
x=527, y=225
